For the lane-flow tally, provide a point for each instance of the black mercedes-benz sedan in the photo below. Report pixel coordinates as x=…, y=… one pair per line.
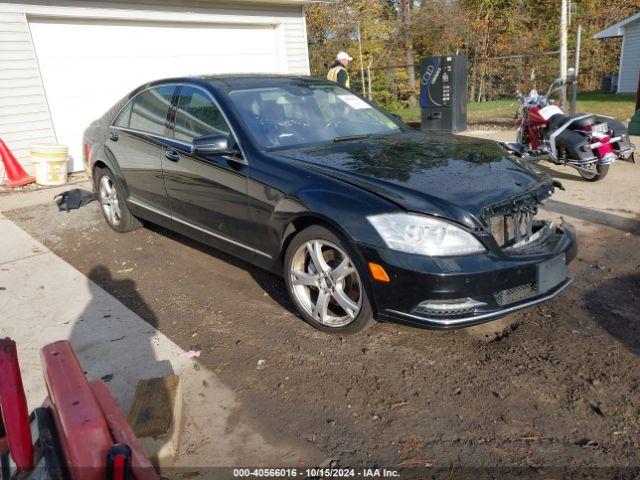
x=364, y=217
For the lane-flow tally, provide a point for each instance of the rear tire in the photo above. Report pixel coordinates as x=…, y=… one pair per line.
x=595, y=173
x=331, y=297
x=111, y=198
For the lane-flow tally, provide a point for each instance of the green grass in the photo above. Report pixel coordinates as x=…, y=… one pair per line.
x=621, y=107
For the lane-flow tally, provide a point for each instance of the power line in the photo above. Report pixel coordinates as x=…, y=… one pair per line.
x=480, y=59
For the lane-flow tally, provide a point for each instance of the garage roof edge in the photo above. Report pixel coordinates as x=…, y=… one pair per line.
x=617, y=30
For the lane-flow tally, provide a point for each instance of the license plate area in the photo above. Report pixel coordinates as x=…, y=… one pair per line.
x=600, y=127
x=552, y=273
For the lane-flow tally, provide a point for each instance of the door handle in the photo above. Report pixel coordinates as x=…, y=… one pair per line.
x=172, y=155
x=113, y=136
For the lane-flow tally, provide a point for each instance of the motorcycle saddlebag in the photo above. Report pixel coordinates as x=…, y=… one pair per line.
x=573, y=145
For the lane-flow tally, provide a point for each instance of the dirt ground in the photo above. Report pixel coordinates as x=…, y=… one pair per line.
x=557, y=385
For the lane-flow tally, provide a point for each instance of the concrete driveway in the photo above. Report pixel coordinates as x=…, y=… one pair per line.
x=44, y=299
x=554, y=386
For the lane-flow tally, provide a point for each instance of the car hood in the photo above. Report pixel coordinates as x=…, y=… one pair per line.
x=447, y=175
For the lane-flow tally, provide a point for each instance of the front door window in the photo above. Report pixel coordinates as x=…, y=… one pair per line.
x=197, y=116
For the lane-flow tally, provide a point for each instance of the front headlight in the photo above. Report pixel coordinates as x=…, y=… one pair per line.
x=410, y=233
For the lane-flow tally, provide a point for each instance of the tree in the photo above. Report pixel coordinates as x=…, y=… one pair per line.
x=330, y=32
x=504, y=39
x=405, y=36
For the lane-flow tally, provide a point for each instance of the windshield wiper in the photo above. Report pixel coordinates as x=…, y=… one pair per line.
x=351, y=137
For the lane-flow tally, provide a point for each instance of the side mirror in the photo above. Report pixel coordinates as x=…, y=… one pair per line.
x=216, y=144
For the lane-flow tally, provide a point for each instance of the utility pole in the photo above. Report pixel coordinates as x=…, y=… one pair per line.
x=576, y=70
x=369, y=75
x=364, y=86
x=404, y=15
x=563, y=51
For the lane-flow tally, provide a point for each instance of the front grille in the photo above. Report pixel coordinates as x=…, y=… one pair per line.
x=513, y=227
x=516, y=294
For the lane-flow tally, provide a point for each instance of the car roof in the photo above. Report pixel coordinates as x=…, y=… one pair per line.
x=236, y=81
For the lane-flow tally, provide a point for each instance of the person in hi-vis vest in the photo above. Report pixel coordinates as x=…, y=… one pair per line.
x=338, y=72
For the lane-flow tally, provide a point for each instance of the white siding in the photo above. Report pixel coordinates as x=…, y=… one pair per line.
x=24, y=116
x=24, y=113
x=630, y=61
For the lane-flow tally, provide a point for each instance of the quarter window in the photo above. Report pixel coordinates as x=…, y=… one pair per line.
x=197, y=115
x=123, y=118
x=150, y=108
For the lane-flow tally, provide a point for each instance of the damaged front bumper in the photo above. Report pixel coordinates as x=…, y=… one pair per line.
x=444, y=293
x=478, y=316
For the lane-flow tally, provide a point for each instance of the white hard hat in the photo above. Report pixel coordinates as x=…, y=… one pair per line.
x=343, y=56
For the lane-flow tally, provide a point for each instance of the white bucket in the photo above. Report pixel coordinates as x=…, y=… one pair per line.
x=50, y=164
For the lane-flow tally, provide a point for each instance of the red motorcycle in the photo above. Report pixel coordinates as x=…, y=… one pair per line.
x=589, y=143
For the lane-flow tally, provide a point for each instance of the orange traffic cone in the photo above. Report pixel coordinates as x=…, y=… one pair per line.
x=16, y=176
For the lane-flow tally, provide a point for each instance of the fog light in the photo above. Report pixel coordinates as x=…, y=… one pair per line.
x=456, y=306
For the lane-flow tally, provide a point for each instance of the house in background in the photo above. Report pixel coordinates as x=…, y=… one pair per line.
x=63, y=64
x=629, y=70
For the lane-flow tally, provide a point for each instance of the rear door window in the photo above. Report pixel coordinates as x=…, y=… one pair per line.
x=197, y=115
x=149, y=110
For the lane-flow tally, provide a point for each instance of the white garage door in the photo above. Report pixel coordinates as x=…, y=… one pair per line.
x=87, y=65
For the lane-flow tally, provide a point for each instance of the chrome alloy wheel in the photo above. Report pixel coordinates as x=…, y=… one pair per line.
x=109, y=201
x=326, y=283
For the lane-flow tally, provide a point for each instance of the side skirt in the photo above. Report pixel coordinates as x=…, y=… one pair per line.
x=217, y=241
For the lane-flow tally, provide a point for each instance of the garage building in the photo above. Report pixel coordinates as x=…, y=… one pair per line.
x=63, y=64
x=629, y=30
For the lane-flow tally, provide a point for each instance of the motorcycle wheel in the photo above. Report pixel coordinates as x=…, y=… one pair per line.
x=594, y=172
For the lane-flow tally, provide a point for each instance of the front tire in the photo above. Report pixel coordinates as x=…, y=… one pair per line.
x=594, y=173
x=112, y=203
x=326, y=283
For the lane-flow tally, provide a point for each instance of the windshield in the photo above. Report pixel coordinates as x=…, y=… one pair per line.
x=300, y=114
